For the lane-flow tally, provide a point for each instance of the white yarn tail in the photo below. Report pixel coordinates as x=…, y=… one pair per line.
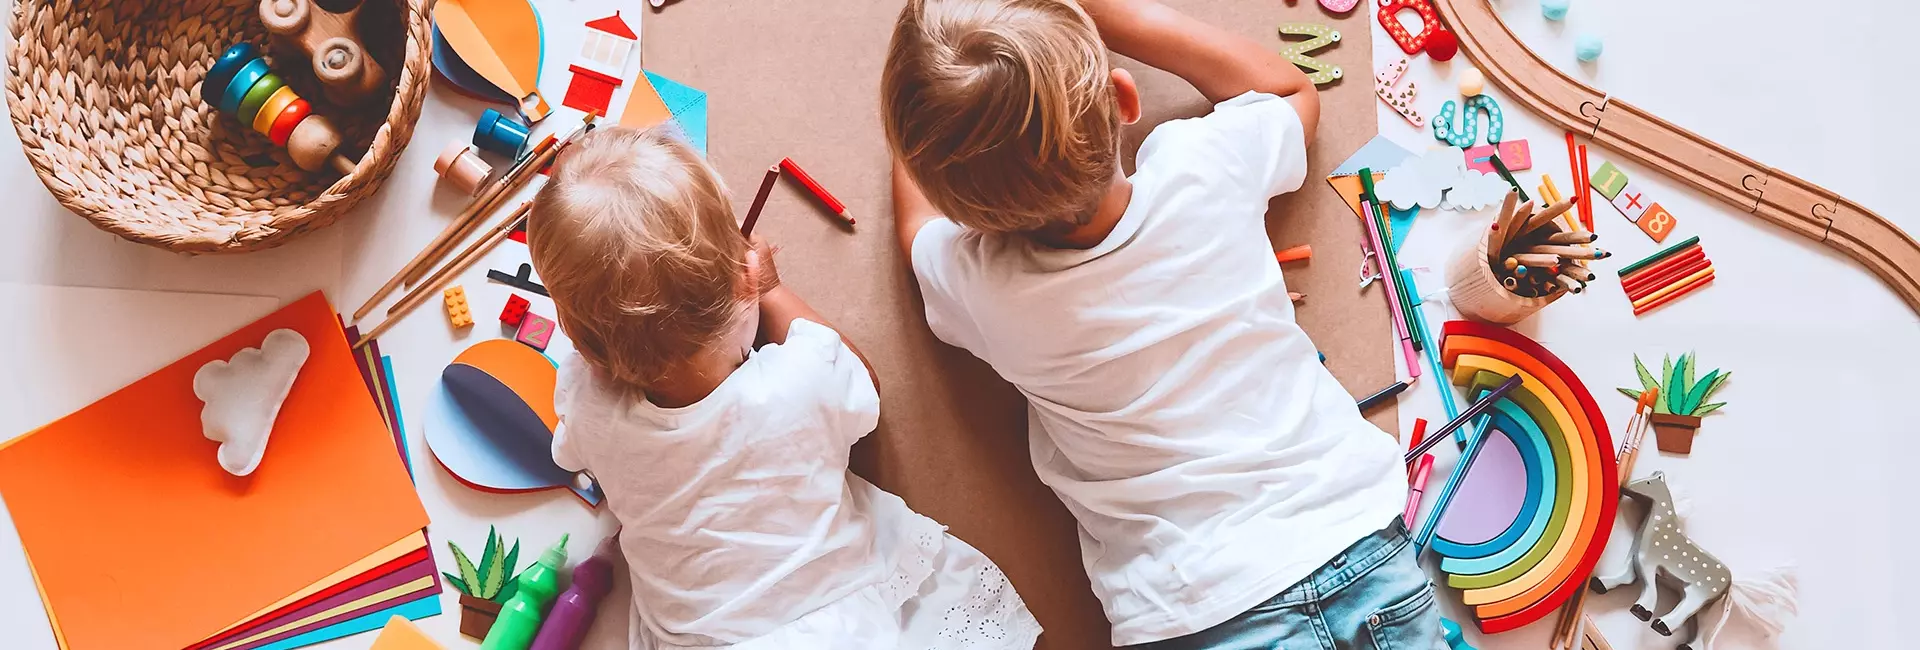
x=1769, y=602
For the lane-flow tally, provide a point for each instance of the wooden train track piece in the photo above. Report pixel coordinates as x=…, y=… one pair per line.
x=1773, y=195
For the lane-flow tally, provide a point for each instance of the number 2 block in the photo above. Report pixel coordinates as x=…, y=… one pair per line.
x=535, y=331
x=1657, y=223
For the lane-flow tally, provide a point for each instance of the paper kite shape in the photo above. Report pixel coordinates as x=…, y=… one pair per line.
x=1534, y=512
x=492, y=422
x=243, y=396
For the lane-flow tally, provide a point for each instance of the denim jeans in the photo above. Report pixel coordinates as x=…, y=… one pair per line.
x=1372, y=596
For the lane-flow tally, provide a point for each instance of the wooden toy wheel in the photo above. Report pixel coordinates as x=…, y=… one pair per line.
x=338, y=61
x=286, y=17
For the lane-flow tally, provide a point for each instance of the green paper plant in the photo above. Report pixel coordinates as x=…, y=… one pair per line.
x=1679, y=393
x=491, y=579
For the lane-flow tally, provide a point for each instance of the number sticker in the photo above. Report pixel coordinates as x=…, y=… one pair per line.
x=1658, y=223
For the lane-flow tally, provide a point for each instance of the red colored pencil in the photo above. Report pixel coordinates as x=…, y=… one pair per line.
x=1690, y=288
x=1659, y=273
x=818, y=191
x=760, y=201
x=1671, y=270
x=1586, y=192
x=1677, y=274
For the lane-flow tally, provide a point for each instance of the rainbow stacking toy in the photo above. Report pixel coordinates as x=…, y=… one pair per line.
x=239, y=84
x=1534, y=512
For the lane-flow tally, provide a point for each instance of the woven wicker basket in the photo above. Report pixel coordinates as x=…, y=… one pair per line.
x=105, y=96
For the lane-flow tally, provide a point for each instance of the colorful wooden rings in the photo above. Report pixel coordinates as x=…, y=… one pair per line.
x=240, y=84
x=498, y=134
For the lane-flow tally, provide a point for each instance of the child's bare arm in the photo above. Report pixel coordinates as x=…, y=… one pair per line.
x=1220, y=64
x=911, y=210
x=779, y=306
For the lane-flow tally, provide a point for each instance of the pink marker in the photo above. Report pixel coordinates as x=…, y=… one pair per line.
x=1419, y=491
x=1391, y=282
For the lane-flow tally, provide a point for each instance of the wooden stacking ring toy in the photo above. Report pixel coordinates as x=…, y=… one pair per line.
x=264, y=102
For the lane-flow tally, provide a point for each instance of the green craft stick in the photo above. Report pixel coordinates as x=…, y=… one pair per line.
x=1630, y=268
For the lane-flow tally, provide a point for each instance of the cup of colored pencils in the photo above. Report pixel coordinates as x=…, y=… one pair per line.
x=1525, y=261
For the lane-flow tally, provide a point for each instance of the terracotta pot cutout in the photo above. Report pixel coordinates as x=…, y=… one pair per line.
x=1674, y=433
x=477, y=615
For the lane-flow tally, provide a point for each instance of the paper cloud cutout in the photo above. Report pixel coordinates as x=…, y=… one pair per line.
x=1422, y=181
x=1477, y=191
x=243, y=396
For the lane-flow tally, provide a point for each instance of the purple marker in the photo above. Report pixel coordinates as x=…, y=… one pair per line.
x=573, y=611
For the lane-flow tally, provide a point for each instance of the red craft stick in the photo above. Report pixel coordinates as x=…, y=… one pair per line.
x=1677, y=274
x=819, y=192
x=1695, y=286
x=1665, y=273
x=1660, y=273
x=1579, y=180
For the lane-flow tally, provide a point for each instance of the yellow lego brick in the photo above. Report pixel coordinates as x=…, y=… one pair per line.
x=458, y=313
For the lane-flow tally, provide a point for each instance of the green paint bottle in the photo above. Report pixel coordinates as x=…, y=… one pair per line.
x=520, y=617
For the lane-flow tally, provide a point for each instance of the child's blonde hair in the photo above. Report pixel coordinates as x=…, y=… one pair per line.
x=634, y=237
x=1003, y=110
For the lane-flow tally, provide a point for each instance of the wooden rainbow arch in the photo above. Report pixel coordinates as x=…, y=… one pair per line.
x=1538, y=553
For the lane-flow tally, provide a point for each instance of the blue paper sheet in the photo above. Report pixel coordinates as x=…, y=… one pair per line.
x=428, y=605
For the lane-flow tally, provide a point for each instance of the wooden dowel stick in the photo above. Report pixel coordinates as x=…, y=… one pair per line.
x=460, y=263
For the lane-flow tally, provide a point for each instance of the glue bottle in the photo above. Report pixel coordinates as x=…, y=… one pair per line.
x=520, y=617
x=573, y=612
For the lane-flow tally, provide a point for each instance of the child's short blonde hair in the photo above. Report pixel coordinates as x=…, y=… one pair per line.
x=634, y=237
x=1003, y=110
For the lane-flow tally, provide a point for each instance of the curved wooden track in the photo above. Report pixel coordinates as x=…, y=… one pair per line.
x=1757, y=189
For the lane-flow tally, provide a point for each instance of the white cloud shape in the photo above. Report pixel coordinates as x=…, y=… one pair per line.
x=243, y=396
x=1421, y=181
x=1476, y=191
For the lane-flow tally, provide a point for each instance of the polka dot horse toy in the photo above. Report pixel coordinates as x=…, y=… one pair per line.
x=1664, y=554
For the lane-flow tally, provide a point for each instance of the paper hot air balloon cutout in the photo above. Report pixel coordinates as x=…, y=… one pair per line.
x=493, y=422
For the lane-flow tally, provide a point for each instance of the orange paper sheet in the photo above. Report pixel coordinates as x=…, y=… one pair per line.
x=400, y=634
x=139, y=540
x=645, y=109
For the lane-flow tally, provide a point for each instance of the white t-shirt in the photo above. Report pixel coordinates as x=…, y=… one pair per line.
x=738, y=513
x=1179, y=412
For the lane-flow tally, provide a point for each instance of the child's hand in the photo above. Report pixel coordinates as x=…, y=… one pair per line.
x=760, y=265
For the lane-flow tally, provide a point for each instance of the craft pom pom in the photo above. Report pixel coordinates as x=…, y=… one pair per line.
x=1555, y=9
x=1588, y=47
x=1472, y=82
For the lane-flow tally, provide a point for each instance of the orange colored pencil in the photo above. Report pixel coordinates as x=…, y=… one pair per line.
x=1664, y=296
x=1294, y=254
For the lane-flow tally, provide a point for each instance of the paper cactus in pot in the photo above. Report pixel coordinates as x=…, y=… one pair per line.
x=1683, y=399
x=484, y=586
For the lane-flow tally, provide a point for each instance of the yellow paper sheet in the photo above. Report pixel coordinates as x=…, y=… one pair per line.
x=416, y=585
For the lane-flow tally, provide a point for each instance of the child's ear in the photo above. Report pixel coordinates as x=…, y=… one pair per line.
x=1127, y=94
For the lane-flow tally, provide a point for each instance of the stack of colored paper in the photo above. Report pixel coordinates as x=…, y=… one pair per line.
x=138, y=539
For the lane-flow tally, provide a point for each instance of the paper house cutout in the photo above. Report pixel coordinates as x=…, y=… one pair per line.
x=603, y=57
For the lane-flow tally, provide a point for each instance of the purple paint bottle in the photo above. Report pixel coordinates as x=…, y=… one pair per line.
x=573, y=611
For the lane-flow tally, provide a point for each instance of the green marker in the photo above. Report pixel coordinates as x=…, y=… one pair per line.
x=1386, y=253
x=520, y=618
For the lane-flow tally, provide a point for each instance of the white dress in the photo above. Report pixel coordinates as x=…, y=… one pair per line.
x=742, y=526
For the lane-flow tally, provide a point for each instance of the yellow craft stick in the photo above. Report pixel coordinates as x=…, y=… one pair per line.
x=1676, y=286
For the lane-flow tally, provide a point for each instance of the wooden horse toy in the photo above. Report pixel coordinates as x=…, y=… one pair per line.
x=1664, y=554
